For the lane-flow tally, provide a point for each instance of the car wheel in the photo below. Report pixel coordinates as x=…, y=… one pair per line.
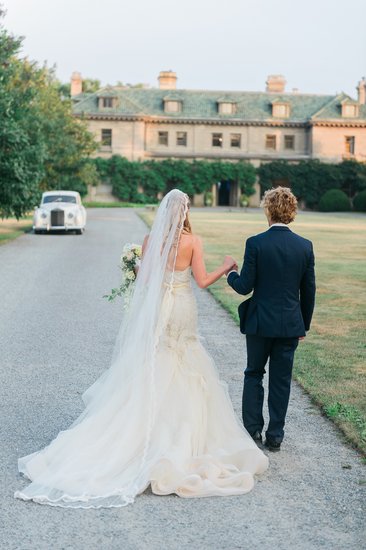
x=37, y=231
x=78, y=231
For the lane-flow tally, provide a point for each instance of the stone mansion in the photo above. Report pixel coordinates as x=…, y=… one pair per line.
x=167, y=122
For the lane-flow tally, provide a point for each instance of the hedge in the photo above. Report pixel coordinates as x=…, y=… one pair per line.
x=334, y=200
x=359, y=202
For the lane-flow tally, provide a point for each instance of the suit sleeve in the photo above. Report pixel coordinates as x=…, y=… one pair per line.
x=244, y=283
x=307, y=291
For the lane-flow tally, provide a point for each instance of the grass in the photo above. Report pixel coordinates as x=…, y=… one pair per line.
x=330, y=363
x=11, y=228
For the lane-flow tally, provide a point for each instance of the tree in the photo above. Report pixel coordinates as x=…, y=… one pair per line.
x=89, y=86
x=42, y=146
x=68, y=140
x=22, y=150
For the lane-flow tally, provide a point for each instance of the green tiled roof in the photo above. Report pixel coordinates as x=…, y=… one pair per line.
x=332, y=110
x=196, y=104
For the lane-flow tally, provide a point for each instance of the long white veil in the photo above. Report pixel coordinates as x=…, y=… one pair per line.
x=123, y=399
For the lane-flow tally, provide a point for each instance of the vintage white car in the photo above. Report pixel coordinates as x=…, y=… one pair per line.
x=60, y=211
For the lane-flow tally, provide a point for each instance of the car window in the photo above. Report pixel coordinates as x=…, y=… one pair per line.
x=59, y=198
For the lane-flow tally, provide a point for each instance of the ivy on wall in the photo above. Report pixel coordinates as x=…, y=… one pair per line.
x=310, y=180
x=143, y=181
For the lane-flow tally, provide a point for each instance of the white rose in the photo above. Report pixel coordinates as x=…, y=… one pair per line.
x=130, y=275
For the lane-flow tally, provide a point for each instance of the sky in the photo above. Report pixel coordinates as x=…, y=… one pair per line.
x=318, y=45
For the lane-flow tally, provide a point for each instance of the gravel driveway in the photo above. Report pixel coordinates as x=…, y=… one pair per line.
x=56, y=337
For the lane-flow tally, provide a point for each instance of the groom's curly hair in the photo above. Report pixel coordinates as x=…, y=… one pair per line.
x=280, y=204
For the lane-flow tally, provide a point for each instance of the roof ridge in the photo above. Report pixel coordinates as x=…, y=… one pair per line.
x=224, y=92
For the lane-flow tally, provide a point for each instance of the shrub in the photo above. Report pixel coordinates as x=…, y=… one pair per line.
x=244, y=201
x=208, y=198
x=359, y=202
x=334, y=200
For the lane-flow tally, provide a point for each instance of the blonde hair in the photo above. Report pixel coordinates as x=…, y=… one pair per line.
x=280, y=205
x=187, y=224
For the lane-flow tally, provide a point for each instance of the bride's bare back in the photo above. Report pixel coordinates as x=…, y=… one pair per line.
x=190, y=254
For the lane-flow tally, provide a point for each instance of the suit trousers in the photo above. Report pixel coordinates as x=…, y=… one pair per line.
x=280, y=352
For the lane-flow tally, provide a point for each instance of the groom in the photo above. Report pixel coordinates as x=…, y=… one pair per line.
x=279, y=269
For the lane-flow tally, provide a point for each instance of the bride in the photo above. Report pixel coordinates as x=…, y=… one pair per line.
x=159, y=415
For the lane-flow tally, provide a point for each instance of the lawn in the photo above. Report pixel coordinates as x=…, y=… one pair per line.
x=331, y=362
x=11, y=228
x=113, y=204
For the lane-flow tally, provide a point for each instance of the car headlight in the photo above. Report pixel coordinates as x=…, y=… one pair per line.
x=44, y=215
x=70, y=215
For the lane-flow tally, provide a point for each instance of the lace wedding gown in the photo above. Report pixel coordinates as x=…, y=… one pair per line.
x=196, y=446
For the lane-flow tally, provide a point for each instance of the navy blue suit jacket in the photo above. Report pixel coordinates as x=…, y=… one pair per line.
x=279, y=268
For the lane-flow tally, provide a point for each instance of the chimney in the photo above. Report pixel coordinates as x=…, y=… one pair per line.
x=167, y=80
x=275, y=84
x=76, y=84
x=361, y=91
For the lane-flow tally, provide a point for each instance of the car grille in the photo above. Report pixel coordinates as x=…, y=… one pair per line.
x=57, y=217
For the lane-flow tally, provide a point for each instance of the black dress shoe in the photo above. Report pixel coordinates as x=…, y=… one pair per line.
x=257, y=437
x=272, y=445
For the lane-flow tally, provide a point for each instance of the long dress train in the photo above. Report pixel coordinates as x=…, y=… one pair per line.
x=192, y=445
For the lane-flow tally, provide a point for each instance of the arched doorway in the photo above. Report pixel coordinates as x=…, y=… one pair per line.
x=227, y=193
x=223, y=195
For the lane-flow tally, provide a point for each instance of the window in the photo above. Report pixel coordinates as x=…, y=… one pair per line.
x=182, y=138
x=217, y=140
x=172, y=106
x=226, y=108
x=280, y=110
x=106, y=140
x=349, y=110
x=290, y=142
x=235, y=140
x=350, y=145
x=107, y=102
x=163, y=138
x=271, y=142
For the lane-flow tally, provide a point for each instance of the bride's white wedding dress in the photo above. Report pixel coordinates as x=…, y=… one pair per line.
x=171, y=426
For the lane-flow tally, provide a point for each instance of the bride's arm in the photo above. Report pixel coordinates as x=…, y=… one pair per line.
x=144, y=245
x=204, y=279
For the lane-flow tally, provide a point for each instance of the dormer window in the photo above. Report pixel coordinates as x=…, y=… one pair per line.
x=349, y=108
x=280, y=109
x=172, y=106
x=226, y=107
x=107, y=102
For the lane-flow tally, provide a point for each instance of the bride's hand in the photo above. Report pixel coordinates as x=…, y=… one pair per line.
x=230, y=264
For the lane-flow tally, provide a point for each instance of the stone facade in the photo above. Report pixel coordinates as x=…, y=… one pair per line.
x=167, y=122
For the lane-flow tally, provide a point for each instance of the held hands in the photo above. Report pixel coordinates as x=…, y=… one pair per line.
x=230, y=264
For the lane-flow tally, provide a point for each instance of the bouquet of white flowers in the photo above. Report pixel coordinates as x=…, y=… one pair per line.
x=130, y=260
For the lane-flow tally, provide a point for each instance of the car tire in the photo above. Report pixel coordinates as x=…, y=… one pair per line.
x=78, y=231
x=37, y=231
